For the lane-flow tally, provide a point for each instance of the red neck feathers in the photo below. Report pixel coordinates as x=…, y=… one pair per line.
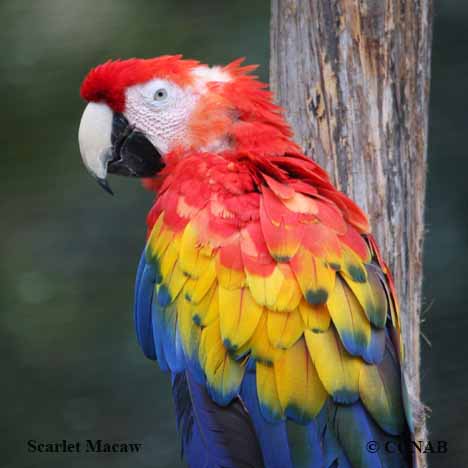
x=233, y=183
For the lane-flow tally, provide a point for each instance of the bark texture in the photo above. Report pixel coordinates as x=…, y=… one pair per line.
x=353, y=76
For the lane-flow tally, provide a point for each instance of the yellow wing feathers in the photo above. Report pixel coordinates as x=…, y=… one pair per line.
x=306, y=315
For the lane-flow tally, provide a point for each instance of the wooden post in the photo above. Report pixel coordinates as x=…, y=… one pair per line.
x=353, y=76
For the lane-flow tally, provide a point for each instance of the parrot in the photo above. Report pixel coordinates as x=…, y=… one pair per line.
x=260, y=289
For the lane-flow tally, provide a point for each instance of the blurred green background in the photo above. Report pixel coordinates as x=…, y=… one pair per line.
x=71, y=365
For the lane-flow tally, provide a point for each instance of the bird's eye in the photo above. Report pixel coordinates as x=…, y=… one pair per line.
x=160, y=94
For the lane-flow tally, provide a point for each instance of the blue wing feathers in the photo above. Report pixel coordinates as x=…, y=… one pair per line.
x=145, y=282
x=355, y=429
x=332, y=453
x=272, y=437
x=213, y=436
x=170, y=338
x=374, y=353
x=305, y=445
x=156, y=327
x=155, y=320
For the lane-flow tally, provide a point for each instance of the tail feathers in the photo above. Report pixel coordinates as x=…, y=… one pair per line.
x=213, y=436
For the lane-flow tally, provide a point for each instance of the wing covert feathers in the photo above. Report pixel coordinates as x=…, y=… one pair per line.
x=288, y=288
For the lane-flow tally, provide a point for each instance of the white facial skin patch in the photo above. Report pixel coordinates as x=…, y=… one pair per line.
x=162, y=109
x=164, y=120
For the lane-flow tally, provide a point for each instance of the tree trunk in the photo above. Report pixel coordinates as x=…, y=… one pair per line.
x=353, y=76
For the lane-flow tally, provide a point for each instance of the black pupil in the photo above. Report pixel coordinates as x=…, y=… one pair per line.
x=160, y=93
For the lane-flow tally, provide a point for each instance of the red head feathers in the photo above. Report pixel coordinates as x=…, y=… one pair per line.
x=232, y=106
x=108, y=82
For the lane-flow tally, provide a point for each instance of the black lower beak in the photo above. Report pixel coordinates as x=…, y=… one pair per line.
x=133, y=155
x=105, y=185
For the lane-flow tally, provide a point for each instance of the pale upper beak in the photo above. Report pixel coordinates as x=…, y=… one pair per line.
x=94, y=137
x=109, y=144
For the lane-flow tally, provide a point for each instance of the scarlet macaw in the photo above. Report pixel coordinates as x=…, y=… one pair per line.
x=260, y=289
